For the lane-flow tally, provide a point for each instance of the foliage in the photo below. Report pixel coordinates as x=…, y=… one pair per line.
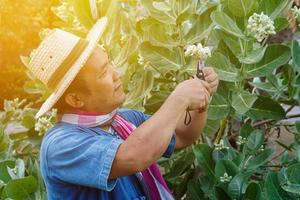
x=20, y=139
x=150, y=43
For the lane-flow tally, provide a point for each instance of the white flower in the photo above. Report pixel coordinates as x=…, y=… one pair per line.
x=44, y=123
x=295, y=12
x=260, y=25
x=141, y=60
x=14, y=106
x=225, y=178
x=197, y=51
x=220, y=146
x=241, y=140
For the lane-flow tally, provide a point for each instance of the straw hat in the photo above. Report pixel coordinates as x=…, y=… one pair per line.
x=59, y=58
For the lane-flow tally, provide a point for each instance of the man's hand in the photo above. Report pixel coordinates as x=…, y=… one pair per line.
x=211, y=77
x=195, y=93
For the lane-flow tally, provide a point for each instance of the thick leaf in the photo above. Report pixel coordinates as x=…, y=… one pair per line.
x=226, y=166
x=142, y=90
x=83, y=12
x=20, y=189
x=292, y=179
x=246, y=130
x=275, y=56
x=280, y=24
x=230, y=40
x=274, y=8
x=254, y=141
x=162, y=58
x=266, y=108
x=211, y=127
x=193, y=190
x=260, y=159
x=243, y=102
x=4, y=176
x=255, y=56
x=223, y=67
x=218, y=108
x=200, y=28
x=241, y=8
x=156, y=100
x=270, y=187
x=226, y=23
x=253, y=192
x=237, y=186
x=159, y=12
x=220, y=194
x=296, y=54
x=203, y=154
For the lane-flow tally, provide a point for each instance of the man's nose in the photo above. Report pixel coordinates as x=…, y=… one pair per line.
x=116, y=74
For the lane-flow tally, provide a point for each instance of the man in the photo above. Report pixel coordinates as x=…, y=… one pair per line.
x=97, y=151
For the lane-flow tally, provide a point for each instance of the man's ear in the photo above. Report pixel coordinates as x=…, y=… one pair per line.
x=73, y=100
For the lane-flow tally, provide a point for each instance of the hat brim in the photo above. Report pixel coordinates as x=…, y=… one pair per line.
x=93, y=38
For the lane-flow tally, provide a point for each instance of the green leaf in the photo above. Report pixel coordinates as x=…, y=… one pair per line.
x=292, y=179
x=200, y=28
x=246, y=130
x=161, y=6
x=255, y=56
x=163, y=14
x=255, y=140
x=211, y=127
x=20, y=189
x=203, y=154
x=260, y=159
x=253, y=192
x=283, y=5
x=296, y=54
x=142, y=90
x=219, y=108
x=280, y=24
x=231, y=42
x=223, y=67
x=220, y=194
x=226, y=166
x=160, y=38
x=162, y=58
x=83, y=12
x=193, y=190
x=243, y=102
x=226, y=23
x=241, y=8
x=237, y=186
x=4, y=176
x=274, y=8
x=275, y=56
x=271, y=185
x=266, y=108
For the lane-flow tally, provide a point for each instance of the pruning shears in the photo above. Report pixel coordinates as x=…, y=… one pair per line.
x=199, y=75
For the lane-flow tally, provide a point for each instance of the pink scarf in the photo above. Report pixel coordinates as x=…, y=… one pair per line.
x=156, y=185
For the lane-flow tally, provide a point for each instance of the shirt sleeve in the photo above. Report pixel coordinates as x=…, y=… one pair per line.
x=83, y=159
x=137, y=118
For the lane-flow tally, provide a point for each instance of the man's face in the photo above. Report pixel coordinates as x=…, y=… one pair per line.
x=105, y=91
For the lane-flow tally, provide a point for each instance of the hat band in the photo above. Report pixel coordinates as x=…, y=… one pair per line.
x=61, y=71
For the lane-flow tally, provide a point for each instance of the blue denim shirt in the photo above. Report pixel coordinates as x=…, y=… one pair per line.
x=76, y=161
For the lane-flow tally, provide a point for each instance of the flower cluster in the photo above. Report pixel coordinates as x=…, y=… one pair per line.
x=225, y=178
x=296, y=12
x=14, y=107
x=197, y=51
x=141, y=60
x=46, y=122
x=220, y=146
x=241, y=140
x=261, y=26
